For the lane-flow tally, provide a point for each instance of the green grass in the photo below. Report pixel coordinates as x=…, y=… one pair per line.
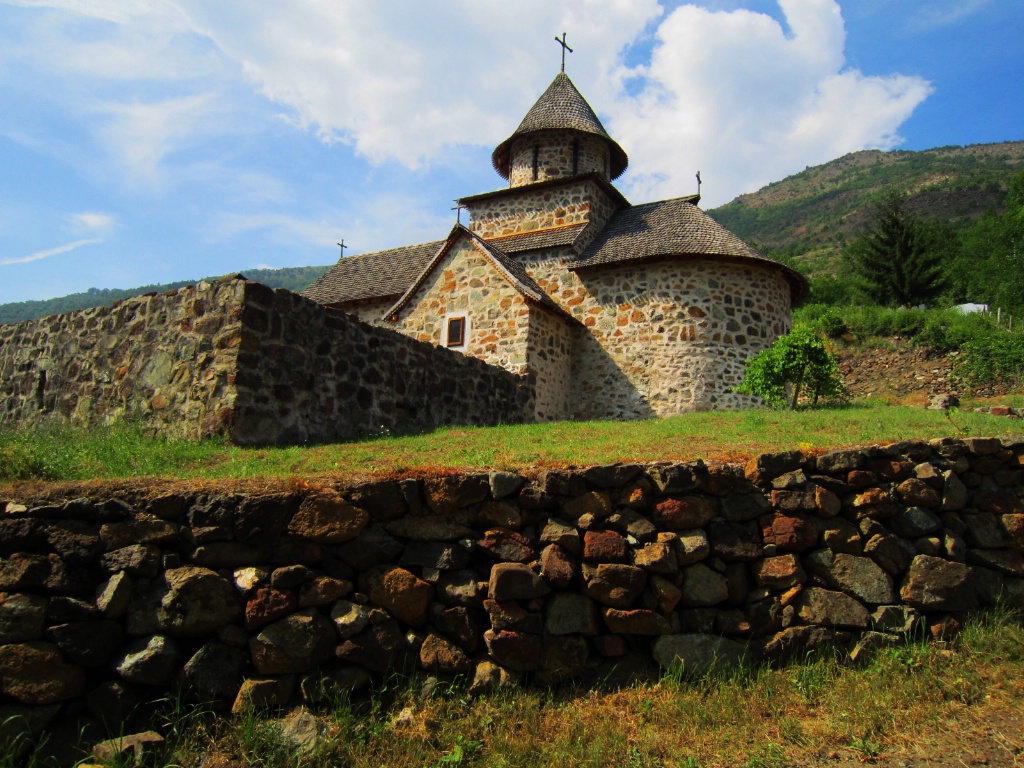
x=919, y=698
x=59, y=452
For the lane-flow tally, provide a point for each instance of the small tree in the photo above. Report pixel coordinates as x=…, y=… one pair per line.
x=795, y=364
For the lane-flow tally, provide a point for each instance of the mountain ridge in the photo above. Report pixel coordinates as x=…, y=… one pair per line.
x=812, y=215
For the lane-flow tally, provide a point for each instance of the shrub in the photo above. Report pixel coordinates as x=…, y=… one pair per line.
x=795, y=364
x=993, y=357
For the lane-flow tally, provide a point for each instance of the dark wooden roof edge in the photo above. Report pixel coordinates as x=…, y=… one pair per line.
x=605, y=186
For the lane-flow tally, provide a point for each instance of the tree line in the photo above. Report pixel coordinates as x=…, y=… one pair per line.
x=907, y=260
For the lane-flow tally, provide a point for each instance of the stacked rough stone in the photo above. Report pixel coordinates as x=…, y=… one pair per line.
x=255, y=364
x=499, y=214
x=552, y=153
x=252, y=600
x=168, y=359
x=306, y=373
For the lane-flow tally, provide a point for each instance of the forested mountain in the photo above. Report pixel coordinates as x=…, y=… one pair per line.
x=812, y=216
x=293, y=278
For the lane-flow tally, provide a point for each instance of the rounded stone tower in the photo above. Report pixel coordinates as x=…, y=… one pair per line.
x=560, y=137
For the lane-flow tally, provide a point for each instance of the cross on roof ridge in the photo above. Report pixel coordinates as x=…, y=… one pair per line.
x=565, y=47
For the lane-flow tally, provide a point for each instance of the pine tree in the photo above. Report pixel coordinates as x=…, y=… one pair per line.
x=896, y=262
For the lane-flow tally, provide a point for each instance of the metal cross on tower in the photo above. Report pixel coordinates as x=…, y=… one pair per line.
x=561, y=42
x=698, y=182
x=343, y=247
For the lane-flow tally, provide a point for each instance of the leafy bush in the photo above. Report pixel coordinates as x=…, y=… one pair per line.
x=943, y=330
x=795, y=362
x=993, y=357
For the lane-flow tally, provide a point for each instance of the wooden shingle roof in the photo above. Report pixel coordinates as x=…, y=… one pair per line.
x=372, y=275
x=544, y=238
x=673, y=228
x=560, y=107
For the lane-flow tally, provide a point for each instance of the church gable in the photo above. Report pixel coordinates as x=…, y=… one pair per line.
x=473, y=299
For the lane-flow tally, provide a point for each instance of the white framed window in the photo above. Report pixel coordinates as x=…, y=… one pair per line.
x=456, y=331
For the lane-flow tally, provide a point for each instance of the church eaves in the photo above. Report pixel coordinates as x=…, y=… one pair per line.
x=560, y=107
x=669, y=228
x=372, y=275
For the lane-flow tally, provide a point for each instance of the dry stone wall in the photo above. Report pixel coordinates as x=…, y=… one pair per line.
x=255, y=600
x=239, y=359
x=167, y=359
x=307, y=374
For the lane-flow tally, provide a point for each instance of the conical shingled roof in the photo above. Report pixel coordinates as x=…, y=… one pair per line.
x=560, y=107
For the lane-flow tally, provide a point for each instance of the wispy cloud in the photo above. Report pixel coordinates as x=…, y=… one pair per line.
x=39, y=255
x=942, y=13
x=92, y=222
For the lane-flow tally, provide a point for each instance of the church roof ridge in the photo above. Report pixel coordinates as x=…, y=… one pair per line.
x=560, y=107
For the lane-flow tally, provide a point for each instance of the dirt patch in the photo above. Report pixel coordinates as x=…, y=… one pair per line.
x=904, y=374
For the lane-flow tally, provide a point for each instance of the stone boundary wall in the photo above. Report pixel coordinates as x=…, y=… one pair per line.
x=245, y=600
x=165, y=358
x=306, y=373
x=237, y=358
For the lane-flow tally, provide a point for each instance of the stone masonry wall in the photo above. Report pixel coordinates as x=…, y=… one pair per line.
x=252, y=600
x=164, y=358
x=549, y=352
x=309, y=374
x=465, y=282
x=236, y=358
x=532, y=211
x=669, y=336
x=554, y=157
x=368, y=311
x=504, y=329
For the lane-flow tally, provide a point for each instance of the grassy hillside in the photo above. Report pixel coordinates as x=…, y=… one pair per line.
x=292, y=278
x=810, y=216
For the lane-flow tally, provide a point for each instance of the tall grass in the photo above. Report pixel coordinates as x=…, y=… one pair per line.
x=912, y=700
x=59, y=452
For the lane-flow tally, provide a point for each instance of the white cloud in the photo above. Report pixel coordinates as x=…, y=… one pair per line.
x=92, y=222
x=366, y=226
x=734, y=95
x=39, y=255
x=403, y=80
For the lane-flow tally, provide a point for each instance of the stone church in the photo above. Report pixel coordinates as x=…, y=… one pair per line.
x=617, y=311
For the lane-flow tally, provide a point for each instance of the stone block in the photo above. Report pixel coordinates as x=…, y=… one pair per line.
x=326, y=518
x=36, y=673
x=934, y=584
x=401, y=593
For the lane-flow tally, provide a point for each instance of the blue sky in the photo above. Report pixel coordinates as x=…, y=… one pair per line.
x=174, y=139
